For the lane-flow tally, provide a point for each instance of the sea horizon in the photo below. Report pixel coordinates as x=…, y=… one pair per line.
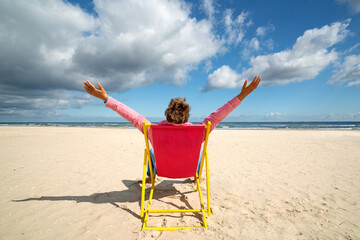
x=339, y=125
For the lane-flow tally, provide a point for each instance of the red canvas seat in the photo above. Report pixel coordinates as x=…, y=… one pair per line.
x=176, y=149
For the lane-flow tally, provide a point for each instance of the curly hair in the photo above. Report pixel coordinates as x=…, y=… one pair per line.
x=177, y=111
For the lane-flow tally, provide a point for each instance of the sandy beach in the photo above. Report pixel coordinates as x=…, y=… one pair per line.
x=83, y=183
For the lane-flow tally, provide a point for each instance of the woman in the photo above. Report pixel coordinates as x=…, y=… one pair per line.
x=177, y=111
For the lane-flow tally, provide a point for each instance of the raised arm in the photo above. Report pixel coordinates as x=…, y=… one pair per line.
x=129, y=114
x=216, y=117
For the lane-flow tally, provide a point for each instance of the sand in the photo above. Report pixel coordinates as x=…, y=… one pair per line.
x=83, y=183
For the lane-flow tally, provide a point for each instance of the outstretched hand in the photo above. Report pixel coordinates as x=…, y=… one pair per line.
x=96, y=92
x=246, y=90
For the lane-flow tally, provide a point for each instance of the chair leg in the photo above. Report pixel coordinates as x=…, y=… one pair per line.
x=148, y=208
x=143, y=185
x=152, y=177
x=201, y=201
x=148, y=211
x=207, y=183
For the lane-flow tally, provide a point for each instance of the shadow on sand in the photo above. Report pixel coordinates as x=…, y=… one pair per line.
x=131, y=194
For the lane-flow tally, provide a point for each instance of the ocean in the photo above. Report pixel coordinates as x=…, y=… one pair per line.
x=222, y=125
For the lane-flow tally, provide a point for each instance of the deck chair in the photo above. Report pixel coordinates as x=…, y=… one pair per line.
x=172, y=163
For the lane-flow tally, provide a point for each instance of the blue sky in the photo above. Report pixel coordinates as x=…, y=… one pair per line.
x=146, y=52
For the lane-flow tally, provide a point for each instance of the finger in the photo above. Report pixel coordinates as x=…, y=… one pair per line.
x=257, y=82
x=100, y=87
x=256, y=79
x=252, y=82
x=86, y=89
x=92, y=87
x=87, y=85
x=245, y=84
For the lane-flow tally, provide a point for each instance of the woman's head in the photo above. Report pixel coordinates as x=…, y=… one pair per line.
x=177, y=111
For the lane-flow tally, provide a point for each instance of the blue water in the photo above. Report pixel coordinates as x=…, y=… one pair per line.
x=292, y=125
x=222, y=125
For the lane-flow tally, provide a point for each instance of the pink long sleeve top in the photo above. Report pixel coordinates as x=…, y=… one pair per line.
x=136, y=119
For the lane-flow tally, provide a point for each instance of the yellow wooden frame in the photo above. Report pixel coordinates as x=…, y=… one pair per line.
x=146, y=212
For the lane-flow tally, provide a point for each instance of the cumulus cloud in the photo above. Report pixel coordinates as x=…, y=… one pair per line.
x=223, y=77
x=354, y=5
x=37, y=103
x=161, y=43
x=309, y=55
x=37, y=42
x=53, y=45
x=348, y=72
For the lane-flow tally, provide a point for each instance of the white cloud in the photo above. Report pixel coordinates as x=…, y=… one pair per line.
x=254, y=43
x=223, y=77
x=260, y=31
x=155, y=41
x=235, y=28
x=54, y=45
x=348, y=72
x=208, y=6
x=334, y=117
x=269, y=44
x=263, y=30
x=275, y=116
x=39, y=103
x=271, y=114
x=354, y=83
x=208, y=66
x=250, y=47
x=354, y=5
x=258, y=43
x=285, y=117
x=37, y=41
x=309, y=55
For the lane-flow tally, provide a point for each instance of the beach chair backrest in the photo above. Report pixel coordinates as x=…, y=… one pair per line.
x=176, y=149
